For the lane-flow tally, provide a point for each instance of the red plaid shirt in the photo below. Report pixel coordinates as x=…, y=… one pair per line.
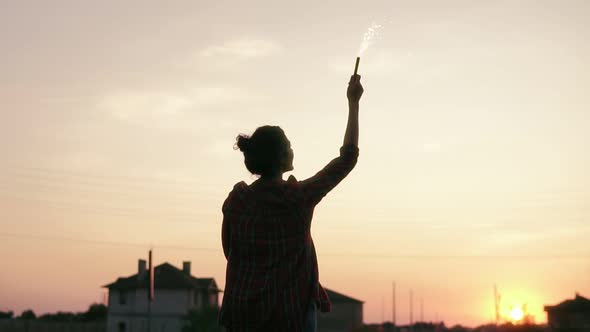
x=272, y=270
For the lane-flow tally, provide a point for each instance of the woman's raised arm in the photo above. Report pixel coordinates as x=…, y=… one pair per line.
x=353, y=93
x=317, y=186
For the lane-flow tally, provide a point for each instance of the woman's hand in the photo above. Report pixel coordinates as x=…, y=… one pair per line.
x=355, y=89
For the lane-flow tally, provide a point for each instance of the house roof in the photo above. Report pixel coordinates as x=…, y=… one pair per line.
x=166, y=276
x=579, y=303
x=336, y=297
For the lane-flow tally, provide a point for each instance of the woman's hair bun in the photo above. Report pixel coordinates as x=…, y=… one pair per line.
x=243, y=142
x=266, y=151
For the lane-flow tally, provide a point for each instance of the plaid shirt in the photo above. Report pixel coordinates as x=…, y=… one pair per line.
x=272, y=270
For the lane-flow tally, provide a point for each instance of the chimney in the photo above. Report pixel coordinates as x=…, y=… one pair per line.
x=186, y=267
x=141, y=269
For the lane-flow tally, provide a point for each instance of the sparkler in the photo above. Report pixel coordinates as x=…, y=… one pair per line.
x=373, y=33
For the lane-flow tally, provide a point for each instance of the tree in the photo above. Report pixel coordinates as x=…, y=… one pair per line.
x=60, y=316
x=95, y=312
x=27, y=315
x=6, y=314
x=202, y=320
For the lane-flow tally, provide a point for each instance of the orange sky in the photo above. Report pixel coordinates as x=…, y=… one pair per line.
x=118, y=122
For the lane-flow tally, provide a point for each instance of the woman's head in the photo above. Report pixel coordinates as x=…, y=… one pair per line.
x=267, y=152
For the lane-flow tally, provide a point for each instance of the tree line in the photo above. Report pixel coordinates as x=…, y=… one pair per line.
x=95, y=312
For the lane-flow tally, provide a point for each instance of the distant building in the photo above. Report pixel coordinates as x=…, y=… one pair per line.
x=346, y=315
x=570, y=315
x=176, y=292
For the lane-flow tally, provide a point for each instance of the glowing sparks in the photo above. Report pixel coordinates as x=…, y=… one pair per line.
x=372, y=34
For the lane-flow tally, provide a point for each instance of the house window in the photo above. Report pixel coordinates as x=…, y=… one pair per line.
x=121, y=327
x=122, y=297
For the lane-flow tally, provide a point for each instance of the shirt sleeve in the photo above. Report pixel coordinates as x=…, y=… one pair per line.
x=225, y=231
x=225, y=239
x=317, y=186
x=229, y=207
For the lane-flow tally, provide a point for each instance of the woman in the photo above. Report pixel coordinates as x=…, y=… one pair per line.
x=272, y=279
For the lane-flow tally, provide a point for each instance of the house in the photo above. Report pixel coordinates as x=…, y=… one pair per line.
x=176, y=291
x=346, y=314
x=569, y=315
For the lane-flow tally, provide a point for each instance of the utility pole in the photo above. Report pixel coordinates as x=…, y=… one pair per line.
x=393, y=305
x=382, y=310
x=421, y=310
x=497, y=304
x=150, y=292
x=411, y=308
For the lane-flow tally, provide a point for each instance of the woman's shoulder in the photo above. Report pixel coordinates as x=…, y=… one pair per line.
x=235, y=195
x=239, y=186
x=294, y=188
x=237, y=189
x=293, y=184
x=242, y=189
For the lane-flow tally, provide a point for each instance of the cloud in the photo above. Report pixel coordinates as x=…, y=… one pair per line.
x=226, y=56
x=131, y=105
x=170, y=110
x=242, y=48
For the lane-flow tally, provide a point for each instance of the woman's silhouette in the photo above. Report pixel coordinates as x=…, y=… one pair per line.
x=272, y=279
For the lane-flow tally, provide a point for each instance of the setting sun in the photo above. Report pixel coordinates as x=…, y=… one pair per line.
x=516, y=314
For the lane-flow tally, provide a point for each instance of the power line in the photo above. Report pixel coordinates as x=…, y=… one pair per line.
x=434, y=257
x=53, y=176
x=102, y=242
x=52, y=173
x=104, y=187
x=112, y=211
x=49, y=174
x=73, y=173
x=342, y=254
x=171, y=212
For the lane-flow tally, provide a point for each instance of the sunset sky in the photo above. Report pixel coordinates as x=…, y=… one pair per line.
x=118, y=120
